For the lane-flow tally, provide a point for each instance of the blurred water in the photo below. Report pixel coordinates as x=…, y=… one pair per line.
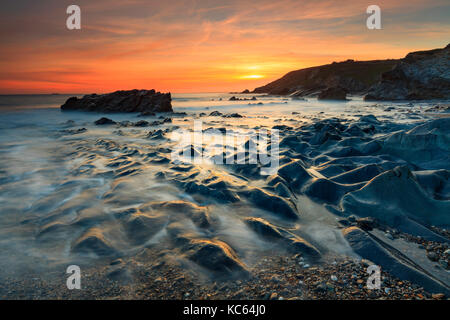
x=47, y=176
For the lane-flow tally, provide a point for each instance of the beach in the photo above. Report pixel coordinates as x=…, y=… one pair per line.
x=355, y=184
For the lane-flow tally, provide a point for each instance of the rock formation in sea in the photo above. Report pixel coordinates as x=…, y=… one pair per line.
x=420, y=75
x=144, y=101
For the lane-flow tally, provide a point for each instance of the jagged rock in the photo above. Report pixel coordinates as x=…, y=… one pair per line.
x=104, y=121
x=198, y=215
x=143, y=101
x=360, y=174
x=141, y=226
x=272, y=203
x=233, y=115
x=408, y=202
x=156, y=135
x=93, y=241
x=334, y=93
x=142, y=123
x=215, y=114
x=216, y=256
x=270, y=232
x=295, y=174
x=426, y=145
x=74, y=131
x=420, y=75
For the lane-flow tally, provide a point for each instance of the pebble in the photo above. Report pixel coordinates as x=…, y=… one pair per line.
x=432, y=256
x=438, y=296
x=443, y=263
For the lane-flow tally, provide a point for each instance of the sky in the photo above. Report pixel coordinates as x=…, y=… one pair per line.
x=200, y=45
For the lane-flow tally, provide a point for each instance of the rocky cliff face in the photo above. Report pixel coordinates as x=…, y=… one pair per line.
x=143, y=101
x=419, y=76
x=352, y=76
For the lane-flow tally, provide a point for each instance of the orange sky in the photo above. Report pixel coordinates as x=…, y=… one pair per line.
x=200, y=46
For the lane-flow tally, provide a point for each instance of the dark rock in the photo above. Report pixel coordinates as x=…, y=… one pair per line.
x=198, y=215
x=156, y=135
x=271, y=203
x=141, y=226
x=329, y=191
x=74, y=131
x=420, y=75
x=143, y=101
x=367, y=223
x=142, y=123
x=104, y=121
x=334, y=93
x=233, y=115
x=394, y=262
x=215, y=114
x=295, y=174
x=432, y=256
x=93, y=241
x=147, y=114
x=216, y=256
x=354, y=76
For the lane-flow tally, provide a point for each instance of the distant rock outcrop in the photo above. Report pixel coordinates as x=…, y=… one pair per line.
x=353, y=76
x=143, y=101
x=334, y=93
x=420, y=75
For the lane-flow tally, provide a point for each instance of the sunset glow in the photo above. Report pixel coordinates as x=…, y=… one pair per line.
x=252, y=76
x=199, y=46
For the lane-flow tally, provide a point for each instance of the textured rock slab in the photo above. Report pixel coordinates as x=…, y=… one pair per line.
x=216, y=256
x=272, y=233
x=373, y=249
x=93, y=242
x=394, y=197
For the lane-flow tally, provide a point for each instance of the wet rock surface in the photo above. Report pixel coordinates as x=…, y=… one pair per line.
x=114, y=200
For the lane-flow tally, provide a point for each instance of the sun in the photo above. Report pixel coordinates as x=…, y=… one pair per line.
x=252, y=76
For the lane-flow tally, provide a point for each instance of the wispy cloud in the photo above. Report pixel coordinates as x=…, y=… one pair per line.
x=200, y=45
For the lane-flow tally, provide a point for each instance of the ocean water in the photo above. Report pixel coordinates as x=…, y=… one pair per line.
x=118, y=187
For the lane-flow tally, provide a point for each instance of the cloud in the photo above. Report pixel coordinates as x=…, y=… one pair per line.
x=200, y=45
